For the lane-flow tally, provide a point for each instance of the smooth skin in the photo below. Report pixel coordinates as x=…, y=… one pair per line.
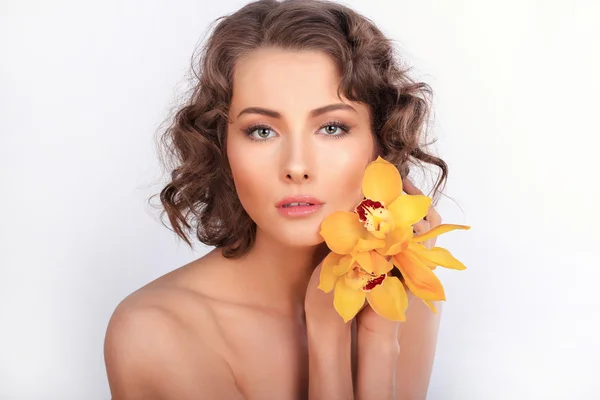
x=257, y=327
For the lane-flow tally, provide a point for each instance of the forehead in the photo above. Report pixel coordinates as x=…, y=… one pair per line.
x=283, y=79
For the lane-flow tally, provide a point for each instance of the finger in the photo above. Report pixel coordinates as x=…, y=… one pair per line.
x=366, y=303
x=409, y=187
x=421, y=227
x=368, y=320
x=433, y=217
x=431, y=243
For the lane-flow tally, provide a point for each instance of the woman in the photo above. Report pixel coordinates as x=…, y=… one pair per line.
x=264, y=132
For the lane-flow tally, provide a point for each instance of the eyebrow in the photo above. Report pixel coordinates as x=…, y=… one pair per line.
x=314, y=113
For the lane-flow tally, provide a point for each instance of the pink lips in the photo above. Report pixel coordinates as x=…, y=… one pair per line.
x=307, y=205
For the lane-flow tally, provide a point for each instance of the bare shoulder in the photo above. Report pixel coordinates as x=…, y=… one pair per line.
x=163, y=340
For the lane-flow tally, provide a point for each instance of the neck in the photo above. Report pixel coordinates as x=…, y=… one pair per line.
x=282, y=272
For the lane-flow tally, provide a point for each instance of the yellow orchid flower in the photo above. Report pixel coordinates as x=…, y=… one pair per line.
x=417, y=262
x=363, y=276
x=384, y=209
x=380, y=228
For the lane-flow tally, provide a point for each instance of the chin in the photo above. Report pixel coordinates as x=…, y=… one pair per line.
x=301, y=235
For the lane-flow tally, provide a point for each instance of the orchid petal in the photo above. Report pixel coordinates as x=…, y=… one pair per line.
x=438, y=230
x=389, y=300
x=373, y=263
x=370, y=243
x=396, y=240
x=328, y=278
x=341, y=231
x=418, y=277
x=344, y=265
x=409, y=209
x=347, y=301
x=382, y=181
x=430, y=305
x=436, y=256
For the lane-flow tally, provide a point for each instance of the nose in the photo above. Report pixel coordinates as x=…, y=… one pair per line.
x=297, y=176
x=296, y=171
x=297, y=161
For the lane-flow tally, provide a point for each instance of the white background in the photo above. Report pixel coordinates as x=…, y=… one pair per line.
x=85, y=85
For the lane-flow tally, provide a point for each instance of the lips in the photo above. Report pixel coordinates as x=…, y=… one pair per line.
x=298, y=201
x=299, y=206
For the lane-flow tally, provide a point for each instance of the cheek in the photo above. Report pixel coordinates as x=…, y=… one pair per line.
x=351, y=184
x=249, y=176
x=345, y=172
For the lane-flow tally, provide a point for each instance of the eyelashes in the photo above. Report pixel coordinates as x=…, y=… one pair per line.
x=345, y=129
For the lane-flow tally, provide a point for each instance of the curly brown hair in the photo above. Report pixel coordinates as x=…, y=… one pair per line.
x=201, y=195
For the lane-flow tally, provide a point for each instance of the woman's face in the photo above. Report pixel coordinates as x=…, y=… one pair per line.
x=283, y=143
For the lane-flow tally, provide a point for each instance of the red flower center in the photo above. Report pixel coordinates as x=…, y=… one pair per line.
x=366, y=207
x=374, y=282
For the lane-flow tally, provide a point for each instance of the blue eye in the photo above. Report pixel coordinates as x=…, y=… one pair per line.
x=262, y=132
x=336, y=129
x=339, y=129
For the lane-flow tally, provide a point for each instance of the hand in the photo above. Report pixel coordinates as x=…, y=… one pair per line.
x=319, y=309
x=329, y=345
x=368, y=319
x=379, y=338
x=431, y=220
